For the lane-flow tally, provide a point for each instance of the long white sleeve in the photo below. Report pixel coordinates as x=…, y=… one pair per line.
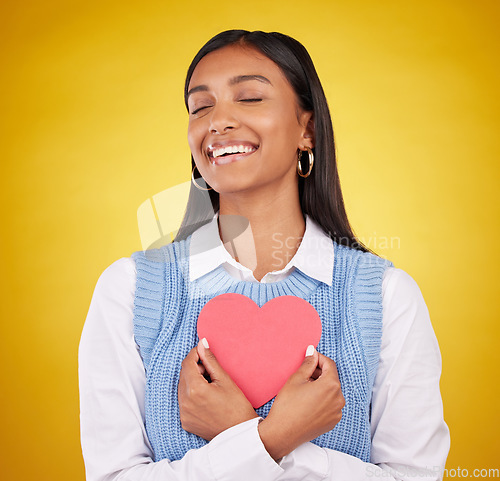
x=410, y=439
x=112, y=383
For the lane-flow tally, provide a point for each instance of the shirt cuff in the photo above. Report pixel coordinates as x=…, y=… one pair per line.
x=238, y=453
x=308, y=461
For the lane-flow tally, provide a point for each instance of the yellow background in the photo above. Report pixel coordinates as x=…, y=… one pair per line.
x=93, y=124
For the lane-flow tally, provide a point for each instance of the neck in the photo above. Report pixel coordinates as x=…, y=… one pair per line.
x=276, y=226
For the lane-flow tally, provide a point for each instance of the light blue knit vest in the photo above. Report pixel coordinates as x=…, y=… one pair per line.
x=166, y=310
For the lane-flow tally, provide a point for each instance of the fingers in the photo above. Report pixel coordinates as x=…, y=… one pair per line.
x=327, y=365
x=201, y=364
x=329, y=370
x=207, y=357
x=192, y=370
x=324, y=367
x=309, y=364
x=190, y=363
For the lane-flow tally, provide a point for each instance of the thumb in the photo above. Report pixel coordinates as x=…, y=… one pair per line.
x=309, y=364
x=207, y=357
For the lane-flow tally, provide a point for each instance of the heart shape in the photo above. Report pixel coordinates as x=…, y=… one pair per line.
x=259, y=347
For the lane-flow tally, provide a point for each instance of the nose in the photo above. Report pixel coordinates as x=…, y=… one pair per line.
x=222, y=119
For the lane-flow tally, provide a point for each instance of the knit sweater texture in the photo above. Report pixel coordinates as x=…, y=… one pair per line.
x=166, y=309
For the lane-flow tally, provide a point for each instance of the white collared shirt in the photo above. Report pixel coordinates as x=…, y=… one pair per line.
x=314, y=257
x=409, y=436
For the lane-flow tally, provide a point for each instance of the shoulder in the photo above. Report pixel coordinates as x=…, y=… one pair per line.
x=168, y=253
x=364, y=270
x=157, y=270
x=111, y=308
x=117, y=280
x=405, y=314
x=400, y=289
x=362, y=258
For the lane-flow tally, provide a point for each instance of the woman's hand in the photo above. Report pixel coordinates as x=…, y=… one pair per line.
x=208, y=408
x=308, y=405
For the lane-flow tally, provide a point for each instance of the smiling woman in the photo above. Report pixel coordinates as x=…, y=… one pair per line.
x=155, y=401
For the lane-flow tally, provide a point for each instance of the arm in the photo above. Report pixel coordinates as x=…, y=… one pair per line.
x=308, y=405
x=112, y=385
x=409, y=436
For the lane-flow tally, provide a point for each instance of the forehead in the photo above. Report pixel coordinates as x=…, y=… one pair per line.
x=234, y=60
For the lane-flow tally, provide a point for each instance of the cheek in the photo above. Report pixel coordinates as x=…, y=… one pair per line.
x=283, y=129
x=194, y=139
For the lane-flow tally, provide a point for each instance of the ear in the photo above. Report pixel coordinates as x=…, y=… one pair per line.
x=307, y=136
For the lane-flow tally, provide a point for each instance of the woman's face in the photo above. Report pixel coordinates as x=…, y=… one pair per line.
x=245, y=125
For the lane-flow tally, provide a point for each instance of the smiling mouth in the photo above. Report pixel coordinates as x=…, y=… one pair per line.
x=220, y=155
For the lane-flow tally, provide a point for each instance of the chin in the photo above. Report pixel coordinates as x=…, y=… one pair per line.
x=231, y=189
x=232, y=184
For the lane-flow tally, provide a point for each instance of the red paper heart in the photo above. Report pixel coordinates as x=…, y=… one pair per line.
x=259, y=347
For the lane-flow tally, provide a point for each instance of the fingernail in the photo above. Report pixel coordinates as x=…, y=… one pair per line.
x=310, y=350
x=205, y=343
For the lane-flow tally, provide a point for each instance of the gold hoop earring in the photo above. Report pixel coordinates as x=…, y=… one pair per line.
x=311, y=162
x=196, y=184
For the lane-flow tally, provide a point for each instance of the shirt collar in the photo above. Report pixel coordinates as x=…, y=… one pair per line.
x=314, y=257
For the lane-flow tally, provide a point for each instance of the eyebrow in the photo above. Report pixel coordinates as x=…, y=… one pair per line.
x=235, y=80
x=246, y=78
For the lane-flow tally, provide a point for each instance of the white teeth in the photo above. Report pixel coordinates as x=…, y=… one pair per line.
x=232, y=149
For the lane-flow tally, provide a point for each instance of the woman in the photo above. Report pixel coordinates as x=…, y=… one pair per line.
x=156, y=404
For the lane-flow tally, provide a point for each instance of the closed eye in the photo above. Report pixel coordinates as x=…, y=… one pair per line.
x=251, y=100
x=194, y=112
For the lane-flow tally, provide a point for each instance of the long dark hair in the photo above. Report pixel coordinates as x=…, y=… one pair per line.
x=320, y=193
